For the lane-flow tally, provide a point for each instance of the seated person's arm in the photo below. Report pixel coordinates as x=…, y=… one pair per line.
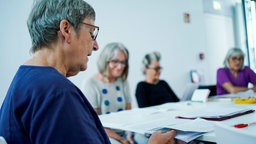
x=113, y=134
x=128, y=106
x=129, y=136
x=172, y=93
x=97, y=110
x=116, y=136
x=254, y=88
x=252, y=76
x=228, y=86
x=141, y=97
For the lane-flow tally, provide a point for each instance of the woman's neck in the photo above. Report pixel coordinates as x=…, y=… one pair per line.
x=234, y=73
x=105, y=79
x=152, y=81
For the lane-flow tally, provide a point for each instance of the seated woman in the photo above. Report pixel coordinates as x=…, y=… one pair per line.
x=234, y=76
x=108, y=90
x=153, y=91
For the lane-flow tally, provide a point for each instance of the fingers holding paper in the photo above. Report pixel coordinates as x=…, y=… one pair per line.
x=160, y=137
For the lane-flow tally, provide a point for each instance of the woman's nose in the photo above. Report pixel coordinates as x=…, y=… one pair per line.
x=95, y=45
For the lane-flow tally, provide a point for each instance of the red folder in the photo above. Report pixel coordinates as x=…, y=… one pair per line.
x=221, y=117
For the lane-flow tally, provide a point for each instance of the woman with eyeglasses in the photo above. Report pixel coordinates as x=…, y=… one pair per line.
x=234, y=76
x=108, y=91
x=153, y=91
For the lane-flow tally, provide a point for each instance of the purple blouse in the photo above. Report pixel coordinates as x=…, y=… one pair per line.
x=245, y=76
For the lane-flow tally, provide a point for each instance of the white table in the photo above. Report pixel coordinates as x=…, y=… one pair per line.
x=141, y=120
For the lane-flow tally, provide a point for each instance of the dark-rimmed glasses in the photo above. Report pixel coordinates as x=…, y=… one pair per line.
x=157, y=69
x=95, y=32
x=234, y=58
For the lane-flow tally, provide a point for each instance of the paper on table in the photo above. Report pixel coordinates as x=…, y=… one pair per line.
x=187, y=136
x=197, y=125
x=138, y=120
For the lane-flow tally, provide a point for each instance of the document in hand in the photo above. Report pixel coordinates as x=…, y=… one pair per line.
x=186, y=131
x=185, y=136
x=218, y=117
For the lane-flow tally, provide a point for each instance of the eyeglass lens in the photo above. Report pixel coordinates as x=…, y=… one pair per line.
x=155, y=68
x=236, y=58
x=118, y=62
x=95, y=31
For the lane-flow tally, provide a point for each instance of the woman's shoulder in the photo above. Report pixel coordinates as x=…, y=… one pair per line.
x=247, y=68
x=92, y=79
x=222, y=69
x=161, y=81
x=141, y=83
x=92, y=82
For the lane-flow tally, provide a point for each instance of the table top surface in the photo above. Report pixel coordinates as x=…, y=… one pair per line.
x=143, y=119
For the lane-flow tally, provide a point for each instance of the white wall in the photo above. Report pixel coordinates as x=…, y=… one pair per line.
x=14, y=41
x=219, y=38
x=143, y=26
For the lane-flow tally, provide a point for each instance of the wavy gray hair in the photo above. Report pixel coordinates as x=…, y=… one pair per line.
x=148, y=58
x=45, y=16
x=234, y=52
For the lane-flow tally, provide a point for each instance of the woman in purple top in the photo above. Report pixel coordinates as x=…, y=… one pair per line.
x=235, y=77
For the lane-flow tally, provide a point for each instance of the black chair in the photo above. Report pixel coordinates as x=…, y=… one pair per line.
x=212, y=88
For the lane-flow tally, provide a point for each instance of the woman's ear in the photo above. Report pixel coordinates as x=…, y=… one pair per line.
x=65, y=30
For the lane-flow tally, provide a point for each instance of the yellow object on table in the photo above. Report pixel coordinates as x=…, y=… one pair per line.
x=249, y=100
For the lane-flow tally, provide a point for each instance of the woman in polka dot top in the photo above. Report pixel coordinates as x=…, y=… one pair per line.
x=108, y=91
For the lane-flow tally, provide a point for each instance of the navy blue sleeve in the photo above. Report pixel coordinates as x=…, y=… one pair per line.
x=66, y=118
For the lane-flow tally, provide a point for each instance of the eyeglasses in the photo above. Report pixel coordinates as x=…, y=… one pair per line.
x=116, y=62
x=157, y=69
x=237, y=58
x=95, y=32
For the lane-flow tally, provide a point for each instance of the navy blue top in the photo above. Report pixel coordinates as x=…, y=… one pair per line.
x=42, y=106
x=154, y=94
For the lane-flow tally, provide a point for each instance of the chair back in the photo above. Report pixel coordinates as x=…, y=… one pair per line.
x=226, y=134
x=189, y=90
x=212, y=88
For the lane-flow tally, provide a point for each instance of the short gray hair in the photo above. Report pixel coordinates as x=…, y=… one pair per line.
x=45, y=16
x=108, y=53
x=148, y=58
x=233, y=52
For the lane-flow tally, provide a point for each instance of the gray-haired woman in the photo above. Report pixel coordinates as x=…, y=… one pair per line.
x=153, y=91
x=108, y=90
x=234, y=76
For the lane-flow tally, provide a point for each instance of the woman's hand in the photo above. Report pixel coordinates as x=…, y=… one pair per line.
x=124, y=141
x=129, y=137
x=162, y=138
